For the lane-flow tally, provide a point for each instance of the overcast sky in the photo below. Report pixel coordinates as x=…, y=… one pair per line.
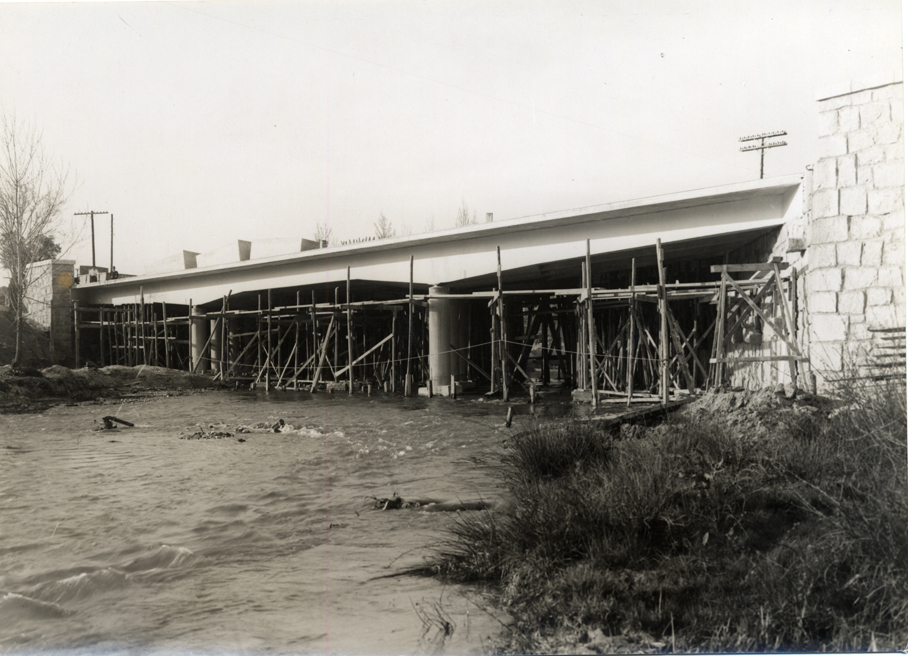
x=197, y=124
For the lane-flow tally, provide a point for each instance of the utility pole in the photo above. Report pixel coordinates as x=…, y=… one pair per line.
x=92, y=214
x=763, y=145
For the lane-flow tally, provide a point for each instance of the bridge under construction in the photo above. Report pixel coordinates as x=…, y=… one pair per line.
x=637, y=301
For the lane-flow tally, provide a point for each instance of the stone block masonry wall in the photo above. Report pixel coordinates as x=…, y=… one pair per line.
x=50, y=305
x=856, y=230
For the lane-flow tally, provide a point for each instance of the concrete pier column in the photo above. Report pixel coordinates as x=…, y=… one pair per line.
x=442, y=315
x=199, y=330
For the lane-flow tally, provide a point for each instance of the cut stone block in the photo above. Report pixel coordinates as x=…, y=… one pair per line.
x=894, y=221
x=826, y=357
x=795, y=245
x=873, y=113
x=825, y=280
x=893, y=152
x=833, y=146
x=881, y=201
x=823, y=255
x=865, y=227
x=871, y=156
x=857, y=332
x=894, y=252
x=848, y=119
x=887, y=134
x=852, y=302
x=859, y=278
x=872, y=253
x=852, y=200
x=828, y=327
x=885, y=316
x=859, y=140
x=879, y=296
x=847, y=171
x=823, y=302
x=826, y=203
x=824, y=231
x=897, y=107
x=889, y=174
x=824, y=173
x=848, y=253
x=890, y=276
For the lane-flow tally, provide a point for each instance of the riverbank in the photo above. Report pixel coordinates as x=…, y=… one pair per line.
x=33, y=390
x=746, y=522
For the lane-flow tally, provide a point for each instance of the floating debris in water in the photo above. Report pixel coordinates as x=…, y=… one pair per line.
x=206, y=435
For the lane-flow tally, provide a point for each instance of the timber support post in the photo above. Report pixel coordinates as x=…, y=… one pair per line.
x=504, y=333
x=663, y=325
x=632, y=320
x=408, y=381
x=349, y=339
x=591, y=328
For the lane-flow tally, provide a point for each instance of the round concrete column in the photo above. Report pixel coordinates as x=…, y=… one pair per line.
x=199, y=330
x=442, y=315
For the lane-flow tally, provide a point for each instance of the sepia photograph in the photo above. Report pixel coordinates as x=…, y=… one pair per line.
x=382, y=327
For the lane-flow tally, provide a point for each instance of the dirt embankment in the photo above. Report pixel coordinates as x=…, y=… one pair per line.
x=31, y=390
x=36, y=351
x=749, y=413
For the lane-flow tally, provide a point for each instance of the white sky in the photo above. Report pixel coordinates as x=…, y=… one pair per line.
x=197, y=124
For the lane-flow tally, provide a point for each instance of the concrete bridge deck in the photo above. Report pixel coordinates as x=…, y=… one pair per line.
x=536, y=251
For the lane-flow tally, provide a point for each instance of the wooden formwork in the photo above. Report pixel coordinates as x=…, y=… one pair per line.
x=607, y=341
x=150, y=334
x=639, y=342
x=288, y=346
x=745, y=305
x=308, y=345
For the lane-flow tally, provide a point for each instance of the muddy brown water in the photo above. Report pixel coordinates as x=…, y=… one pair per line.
x=135, y=540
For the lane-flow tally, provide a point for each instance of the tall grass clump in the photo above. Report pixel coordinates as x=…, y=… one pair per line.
x=704, y=532
x=484, y=546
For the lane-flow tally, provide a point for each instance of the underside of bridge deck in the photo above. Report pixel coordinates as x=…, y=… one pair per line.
x=636, y=325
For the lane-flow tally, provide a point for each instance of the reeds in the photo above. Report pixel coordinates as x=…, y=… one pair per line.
x=704, y=535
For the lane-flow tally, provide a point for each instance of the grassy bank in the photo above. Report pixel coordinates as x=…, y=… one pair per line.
x=748, y=523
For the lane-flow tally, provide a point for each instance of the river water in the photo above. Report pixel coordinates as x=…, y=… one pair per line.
x=140, y=540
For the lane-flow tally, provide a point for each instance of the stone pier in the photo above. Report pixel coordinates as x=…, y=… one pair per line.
x=856, y=231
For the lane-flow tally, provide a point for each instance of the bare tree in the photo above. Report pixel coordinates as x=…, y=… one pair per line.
x=383, y=228
x=430, y=224
x=33, y=190
x=323, y=233
x=464, y=218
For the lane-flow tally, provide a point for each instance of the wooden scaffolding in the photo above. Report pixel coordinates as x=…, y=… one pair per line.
x=631, y=343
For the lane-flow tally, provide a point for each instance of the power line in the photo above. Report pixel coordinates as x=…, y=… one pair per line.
x=92, y=214
x=763, y=145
